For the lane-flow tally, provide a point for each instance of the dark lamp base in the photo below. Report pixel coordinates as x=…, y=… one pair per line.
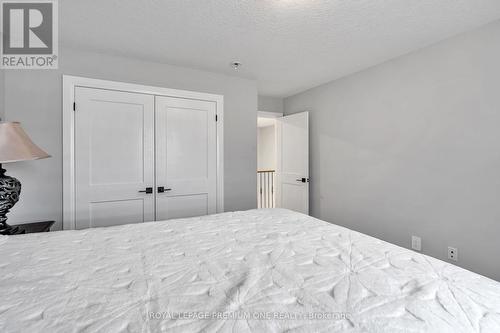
x=10, y=189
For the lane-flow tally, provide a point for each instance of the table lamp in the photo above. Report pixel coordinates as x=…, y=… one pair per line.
x=15, y=146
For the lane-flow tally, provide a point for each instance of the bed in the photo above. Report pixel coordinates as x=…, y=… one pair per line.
x=252, y=271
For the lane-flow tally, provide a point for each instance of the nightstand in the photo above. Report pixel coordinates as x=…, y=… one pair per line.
x=33, y=227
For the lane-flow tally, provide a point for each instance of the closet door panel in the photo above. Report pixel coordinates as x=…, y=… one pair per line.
x=187, y=143
x=114, y=157
x=185, y=157
x=184, y=206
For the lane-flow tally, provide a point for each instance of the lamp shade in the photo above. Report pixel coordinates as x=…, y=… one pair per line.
x=15, y=144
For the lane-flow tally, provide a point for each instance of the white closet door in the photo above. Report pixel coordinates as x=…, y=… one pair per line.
x=114, y=157
x=185, y=158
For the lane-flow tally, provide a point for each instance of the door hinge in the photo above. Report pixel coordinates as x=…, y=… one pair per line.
x=74, y=106
x=216, y=118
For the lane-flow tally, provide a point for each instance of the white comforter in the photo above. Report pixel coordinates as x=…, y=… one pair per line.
x=254, y=271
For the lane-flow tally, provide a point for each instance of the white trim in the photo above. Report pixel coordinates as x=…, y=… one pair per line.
x=69, y=85
x=267, y=114
x=220, y=153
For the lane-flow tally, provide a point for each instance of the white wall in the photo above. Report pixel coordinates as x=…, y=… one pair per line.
x=270, y=104
x=266, y=148
x=2, y=91
x=412, y=147
x=35, y=97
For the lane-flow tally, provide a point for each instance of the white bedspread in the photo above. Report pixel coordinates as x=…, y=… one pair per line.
x=256, y=265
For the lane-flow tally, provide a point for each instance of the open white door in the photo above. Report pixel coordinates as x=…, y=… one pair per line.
x=292, y=163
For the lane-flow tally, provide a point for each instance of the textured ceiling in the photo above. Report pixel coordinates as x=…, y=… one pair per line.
x=286, y=45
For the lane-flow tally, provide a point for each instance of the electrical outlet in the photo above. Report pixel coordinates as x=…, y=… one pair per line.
x=416, y=243
x=452, y=253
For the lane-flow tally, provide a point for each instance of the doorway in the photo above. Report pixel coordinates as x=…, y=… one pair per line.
x=283, y=161
x=135, y=153
x=266, y=162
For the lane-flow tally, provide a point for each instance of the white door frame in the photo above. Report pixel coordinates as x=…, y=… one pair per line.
x=69, y=85
x=267, y=114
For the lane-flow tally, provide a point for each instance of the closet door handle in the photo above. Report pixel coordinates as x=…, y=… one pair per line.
x=148, y=190
x=162, y=189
